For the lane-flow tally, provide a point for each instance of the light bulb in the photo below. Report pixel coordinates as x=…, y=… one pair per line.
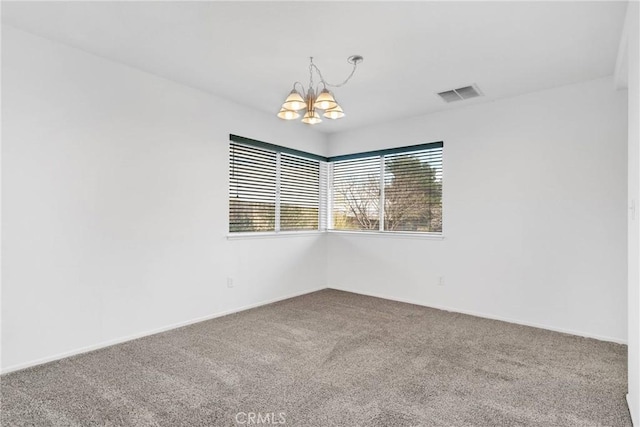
x=288, y=114
x=334, y=113
x=294, y=101
x=325, y=100
x=311, y=118
x=295, y=105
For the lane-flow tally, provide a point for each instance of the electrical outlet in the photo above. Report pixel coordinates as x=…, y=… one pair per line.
x=440, y=280
x=229, y=282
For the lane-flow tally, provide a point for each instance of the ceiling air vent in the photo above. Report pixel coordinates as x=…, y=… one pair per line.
x=460, y=93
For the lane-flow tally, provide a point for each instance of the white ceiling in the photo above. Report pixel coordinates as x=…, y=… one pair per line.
x=252, y=52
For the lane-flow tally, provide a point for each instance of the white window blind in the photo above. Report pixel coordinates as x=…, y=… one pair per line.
x=389, y=190
x=413, y=191
x=356, y=194
x=252, y=188
x=274, y=188
x=299, y=193
x=324, y=196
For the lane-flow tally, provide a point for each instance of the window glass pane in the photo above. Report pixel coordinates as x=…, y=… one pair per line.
x=356, y=194
x=252, y=189
x=299, y=193
x=413, y=191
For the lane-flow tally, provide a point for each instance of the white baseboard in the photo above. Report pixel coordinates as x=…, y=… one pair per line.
x=121, y=340
x=633, y=408
x=109, y=343
x=486, y=316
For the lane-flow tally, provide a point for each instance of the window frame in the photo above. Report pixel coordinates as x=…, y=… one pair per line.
x=279, y=150
x=381, y=155
x=325, y=203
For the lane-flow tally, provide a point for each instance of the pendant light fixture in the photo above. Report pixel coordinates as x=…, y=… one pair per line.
x=314, y=99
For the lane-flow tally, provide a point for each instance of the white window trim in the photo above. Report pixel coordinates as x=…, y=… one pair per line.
x=422, y=235
x=381, y=208
x=278, y=183
x=383, y=234
x=272, y=234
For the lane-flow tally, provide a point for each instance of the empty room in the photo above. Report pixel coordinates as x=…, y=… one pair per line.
x=221, y=213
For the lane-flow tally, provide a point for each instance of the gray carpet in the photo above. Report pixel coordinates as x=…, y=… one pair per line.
x=331, y=358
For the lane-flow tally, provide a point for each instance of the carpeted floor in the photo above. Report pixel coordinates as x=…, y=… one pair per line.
x=331, y=358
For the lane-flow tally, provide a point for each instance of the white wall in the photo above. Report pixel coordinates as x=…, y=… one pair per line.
x=115, y=204
x=115, y=208
x=534, y=213
x=632, y=40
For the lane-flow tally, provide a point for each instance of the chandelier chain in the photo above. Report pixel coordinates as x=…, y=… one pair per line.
x=326, y=83
x=311, y=66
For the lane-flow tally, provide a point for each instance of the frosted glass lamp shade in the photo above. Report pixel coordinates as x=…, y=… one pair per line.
x=311, y=118
x=285, y=114
x=294, y=101
x=325, y=100
x=334, y=113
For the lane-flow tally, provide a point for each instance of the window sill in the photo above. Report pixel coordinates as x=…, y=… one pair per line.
x=384, y=234
x=391, y=234
x=272, y=234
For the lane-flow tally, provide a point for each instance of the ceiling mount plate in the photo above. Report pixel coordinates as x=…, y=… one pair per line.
x=355, y=59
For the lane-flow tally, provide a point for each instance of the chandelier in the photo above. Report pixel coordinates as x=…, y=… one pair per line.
x=314, y=99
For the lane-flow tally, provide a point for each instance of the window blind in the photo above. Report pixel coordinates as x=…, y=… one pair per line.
x=413, y=191
x=356, y=194
x=299, y=193
x=252, y=188
x=274, y=188
x=397, y=189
